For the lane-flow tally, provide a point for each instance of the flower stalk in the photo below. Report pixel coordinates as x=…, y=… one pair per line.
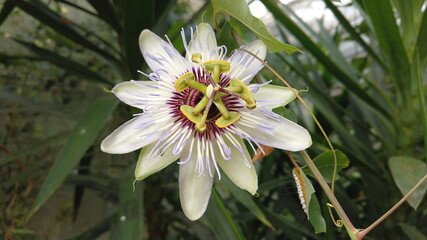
x=352, y=231
x=361, y=234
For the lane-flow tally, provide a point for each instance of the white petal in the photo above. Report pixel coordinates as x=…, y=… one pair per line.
x=275, y=131
x=162, y=58
x=243, y=176
x=140, y=94
x=148, y=165
x=194, y=190
x=132, y=135
x=271, y=96
x=243, y=65
x=203, y=42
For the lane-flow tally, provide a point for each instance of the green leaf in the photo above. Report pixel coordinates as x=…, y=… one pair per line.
x=330, y=109
x=50, y=141
x=129, y=223
x=33, y=170
x=226, y=37
x=352, y=31
x=422, y=36
x=412, y=232
x=409, y=14
x=416, y=73
x=245, y=34
x=65, y=63
x=133, y=23
x=246, y=200
x=387, y=33
x=314, y=212
x=288, y=224
x=325, y=163
x=288, y=114
x=351, y=82
x=97, y=230
x=219, y=219
x=104, y=186
x=240, y=11
x=107, y=13
x=85, y=132
x=407, y=172
x=5, y=11
x=44, y=14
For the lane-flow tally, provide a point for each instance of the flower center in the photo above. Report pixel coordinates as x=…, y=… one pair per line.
x=206, y=102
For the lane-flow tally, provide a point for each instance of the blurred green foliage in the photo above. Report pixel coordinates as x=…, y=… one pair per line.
x=366, y=84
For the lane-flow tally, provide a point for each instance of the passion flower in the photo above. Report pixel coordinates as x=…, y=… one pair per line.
x=198, y=109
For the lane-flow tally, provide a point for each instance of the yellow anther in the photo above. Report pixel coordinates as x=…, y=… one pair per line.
x=234, y=89
x=210, y=66
x=250, y=103
x=245, y=93
x=236, y=83
x=188, y=112
x=180, y=83
x=222, y=122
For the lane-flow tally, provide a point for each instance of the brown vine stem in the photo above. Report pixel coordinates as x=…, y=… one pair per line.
x=360, y=235
x=305, y=106
x=352, y=231
x=355, y=234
